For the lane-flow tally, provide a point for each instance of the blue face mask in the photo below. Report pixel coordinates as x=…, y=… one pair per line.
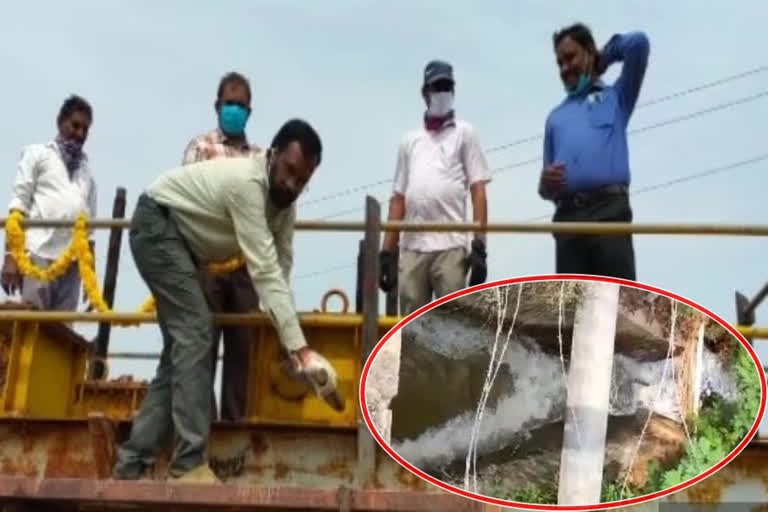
x=232, y=119
x=585, y=81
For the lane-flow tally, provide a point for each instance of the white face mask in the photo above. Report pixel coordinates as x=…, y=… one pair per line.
x=440, y=103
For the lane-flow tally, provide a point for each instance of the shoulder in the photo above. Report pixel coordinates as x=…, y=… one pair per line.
x=33, y=155
x=464, y=126
x=557, y=110
x=202, y=140
x=411, y=136
x=205, y=137
x=241, y=174
x=466, y=129
x=556, y=113
x=37, y=149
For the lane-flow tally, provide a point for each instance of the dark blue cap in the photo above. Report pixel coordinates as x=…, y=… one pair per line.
x=437, y=70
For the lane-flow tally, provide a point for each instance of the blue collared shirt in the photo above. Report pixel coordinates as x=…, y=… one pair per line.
x=588, y=134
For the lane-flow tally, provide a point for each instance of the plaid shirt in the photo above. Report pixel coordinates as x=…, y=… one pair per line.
x=211, y=145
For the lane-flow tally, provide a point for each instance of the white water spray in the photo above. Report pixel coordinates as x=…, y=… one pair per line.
x=539, y=396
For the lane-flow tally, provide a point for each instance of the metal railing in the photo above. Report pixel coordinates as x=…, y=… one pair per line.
x=577, y=228
x=373, y=226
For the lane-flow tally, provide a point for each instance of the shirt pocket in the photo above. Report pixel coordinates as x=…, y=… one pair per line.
x=602, y=114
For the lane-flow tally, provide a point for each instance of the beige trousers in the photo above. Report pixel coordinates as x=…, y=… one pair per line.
x=427, y=276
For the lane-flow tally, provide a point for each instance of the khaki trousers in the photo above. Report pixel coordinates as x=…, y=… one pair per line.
x=427, y=276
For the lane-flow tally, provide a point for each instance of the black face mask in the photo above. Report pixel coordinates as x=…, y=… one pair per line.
x=280, y=196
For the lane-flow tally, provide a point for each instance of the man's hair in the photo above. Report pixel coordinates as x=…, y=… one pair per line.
x=580, y=33
x=74, y=104
x=302, y=132
x=233, y=78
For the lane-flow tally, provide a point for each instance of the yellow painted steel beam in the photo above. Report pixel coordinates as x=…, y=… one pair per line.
x=597, y=228
x=753, y=332
x=255, y=319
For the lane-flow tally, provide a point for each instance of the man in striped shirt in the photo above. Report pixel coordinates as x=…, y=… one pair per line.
x=232, y=292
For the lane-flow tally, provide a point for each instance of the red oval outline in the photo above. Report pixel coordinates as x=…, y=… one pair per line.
x=562, y=277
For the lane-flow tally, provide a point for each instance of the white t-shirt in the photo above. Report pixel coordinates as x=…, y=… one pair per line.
x=43, y=189
x=434, y=173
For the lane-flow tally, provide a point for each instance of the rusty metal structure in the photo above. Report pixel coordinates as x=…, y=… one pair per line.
x=61, y=420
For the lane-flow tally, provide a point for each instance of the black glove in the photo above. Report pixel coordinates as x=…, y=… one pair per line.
x=477, y=266
x=388, y=277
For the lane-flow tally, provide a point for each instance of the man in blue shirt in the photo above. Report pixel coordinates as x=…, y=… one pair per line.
x=586, y=157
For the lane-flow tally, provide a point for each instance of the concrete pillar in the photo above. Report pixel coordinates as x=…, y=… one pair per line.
x=589, y=384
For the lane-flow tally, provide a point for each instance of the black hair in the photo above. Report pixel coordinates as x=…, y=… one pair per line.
x=233, y=77
x=74, y=104
x=580, y=33
x=302, y=132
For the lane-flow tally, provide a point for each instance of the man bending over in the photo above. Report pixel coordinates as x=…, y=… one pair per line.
x=190, y=216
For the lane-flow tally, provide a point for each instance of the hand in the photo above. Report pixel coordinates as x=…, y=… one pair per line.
x=388, y=278
x=553, y=176
x=477, y=262
x=10, y=277
x=600, y=64
x=318, y=373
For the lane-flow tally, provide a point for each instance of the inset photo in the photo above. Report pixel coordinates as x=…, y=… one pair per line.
x=568, y=391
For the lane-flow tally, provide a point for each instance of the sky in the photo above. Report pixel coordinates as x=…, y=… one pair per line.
x=353, y=70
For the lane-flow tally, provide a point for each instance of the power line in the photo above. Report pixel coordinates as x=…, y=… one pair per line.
x=324, y=271
x=642, y=190
x=533, y=138
x=682, y=179
x=647, y=128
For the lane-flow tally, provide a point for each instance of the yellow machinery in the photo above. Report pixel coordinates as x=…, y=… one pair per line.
x=44, y=368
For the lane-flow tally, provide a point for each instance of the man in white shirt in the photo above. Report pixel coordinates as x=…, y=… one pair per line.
x=437, y=166
x=53, y=181
x=205, y=212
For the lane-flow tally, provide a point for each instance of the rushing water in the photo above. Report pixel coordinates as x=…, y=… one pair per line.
x=538, y=394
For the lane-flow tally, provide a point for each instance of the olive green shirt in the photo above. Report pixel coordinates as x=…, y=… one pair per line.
x=222, y=209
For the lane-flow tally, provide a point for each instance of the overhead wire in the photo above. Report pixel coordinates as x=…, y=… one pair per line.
x=642, y=190
x=535, y=137
x=643, y=129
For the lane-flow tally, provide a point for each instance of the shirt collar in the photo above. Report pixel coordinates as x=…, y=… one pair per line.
x=222, y=138
x=55, y=147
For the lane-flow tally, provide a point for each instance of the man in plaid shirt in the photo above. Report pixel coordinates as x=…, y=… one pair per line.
x=232, y=292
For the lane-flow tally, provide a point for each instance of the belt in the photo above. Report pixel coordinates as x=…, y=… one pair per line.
x=582, y=199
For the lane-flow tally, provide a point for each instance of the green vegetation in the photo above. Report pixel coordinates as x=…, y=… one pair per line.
x=719, y=429
x=545, y=495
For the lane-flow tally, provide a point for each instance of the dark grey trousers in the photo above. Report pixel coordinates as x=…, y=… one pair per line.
x=179, y=397
x=611, y=256
x=62, y=294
